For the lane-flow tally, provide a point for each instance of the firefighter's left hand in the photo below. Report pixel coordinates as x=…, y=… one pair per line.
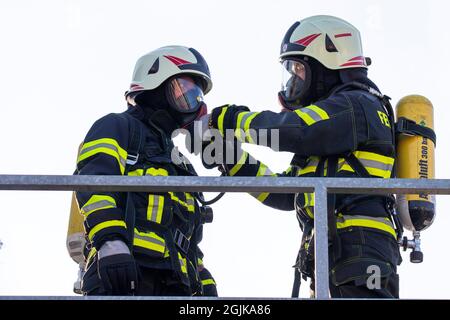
x=117, y=268
x=225, y=116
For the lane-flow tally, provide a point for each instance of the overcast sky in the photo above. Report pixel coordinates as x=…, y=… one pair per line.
x=66, y=63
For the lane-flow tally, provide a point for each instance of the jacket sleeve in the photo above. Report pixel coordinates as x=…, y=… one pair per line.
x=246, y=165
x=103, y=152
x=312, y=130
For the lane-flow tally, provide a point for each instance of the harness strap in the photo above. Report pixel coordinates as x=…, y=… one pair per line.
x=410, y=127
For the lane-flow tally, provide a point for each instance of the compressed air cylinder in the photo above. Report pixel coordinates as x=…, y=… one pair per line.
x=415, y=160
x=75, y=241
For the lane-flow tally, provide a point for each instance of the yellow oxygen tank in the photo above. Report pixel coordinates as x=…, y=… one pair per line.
x=415, y=160
x=75, y=240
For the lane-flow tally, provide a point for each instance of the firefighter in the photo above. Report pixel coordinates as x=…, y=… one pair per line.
x=338, y=124
x=146, y=243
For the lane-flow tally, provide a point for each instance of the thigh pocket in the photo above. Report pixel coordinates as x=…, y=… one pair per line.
x=361, y=271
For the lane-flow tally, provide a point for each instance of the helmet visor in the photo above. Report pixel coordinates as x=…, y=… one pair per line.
x=294, y=78
x=184, y=94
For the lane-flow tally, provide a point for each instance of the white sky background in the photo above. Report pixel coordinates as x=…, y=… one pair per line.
x=64, y=64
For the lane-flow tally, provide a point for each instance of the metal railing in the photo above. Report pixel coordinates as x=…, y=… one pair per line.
x=320, y=186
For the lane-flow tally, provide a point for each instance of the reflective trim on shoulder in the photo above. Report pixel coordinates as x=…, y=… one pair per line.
x=98, y=202
x=384, y=224
x=107, y=146
x=104, y=225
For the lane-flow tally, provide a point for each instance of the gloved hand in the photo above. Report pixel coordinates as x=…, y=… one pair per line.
x=227, y=115
x=117, y=268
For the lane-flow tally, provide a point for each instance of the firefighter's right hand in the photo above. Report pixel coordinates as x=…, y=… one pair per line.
x=117, y=268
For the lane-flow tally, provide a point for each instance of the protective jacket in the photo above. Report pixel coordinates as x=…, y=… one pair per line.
x=347, y=134
x=162, y=229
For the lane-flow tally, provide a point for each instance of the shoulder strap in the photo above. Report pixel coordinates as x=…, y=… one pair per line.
x=135, y=145
x=136, y=140
x=410, y=127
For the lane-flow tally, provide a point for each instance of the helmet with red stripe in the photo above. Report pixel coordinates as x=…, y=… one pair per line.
x=333, y=42
x=313, y=52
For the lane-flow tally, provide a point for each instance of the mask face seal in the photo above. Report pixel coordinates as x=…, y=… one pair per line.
x=296, y=82
x=184, y=94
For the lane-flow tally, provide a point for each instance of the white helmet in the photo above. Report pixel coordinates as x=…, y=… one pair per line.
x=333, y=42
x=155, y=67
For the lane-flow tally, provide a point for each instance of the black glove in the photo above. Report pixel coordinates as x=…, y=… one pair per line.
x=118, y=274
x=229, y=116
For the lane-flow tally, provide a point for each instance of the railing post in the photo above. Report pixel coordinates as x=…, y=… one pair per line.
x=321, y=242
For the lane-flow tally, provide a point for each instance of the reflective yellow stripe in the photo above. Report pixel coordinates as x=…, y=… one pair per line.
x=369, y=223
x=322, y=113
x=263, y=196
x=311, y=166
x=247, y=127
x=239, y=164
x=239, y=128
x=160, y=209
x=137, y=172
x=309, y=199
x=91, y=255
x=104, y=225
x=309, y=212
x=149, y=240
x=105, y=145
x=199, y=261
x=157, y=172
x=155, y=210
x=189, y=206
x=207, y=282
x=305, y=117
x=98, y=202
x=308, y=169
x=182, y=263
x=220, y=119
x=375, y=164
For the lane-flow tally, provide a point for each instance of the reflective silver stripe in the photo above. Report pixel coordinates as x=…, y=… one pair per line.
x=243, y=119
x=98, y=205
x=376, y=164
x=370, y=164
x=105, y=145
x=155, y=207
x=149, y=239
x=316, y=117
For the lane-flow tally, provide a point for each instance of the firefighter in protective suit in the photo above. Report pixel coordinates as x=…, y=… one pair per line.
x=146, y=243
x=336, y=122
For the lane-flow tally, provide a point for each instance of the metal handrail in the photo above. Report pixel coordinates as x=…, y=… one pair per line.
x=320, y=186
